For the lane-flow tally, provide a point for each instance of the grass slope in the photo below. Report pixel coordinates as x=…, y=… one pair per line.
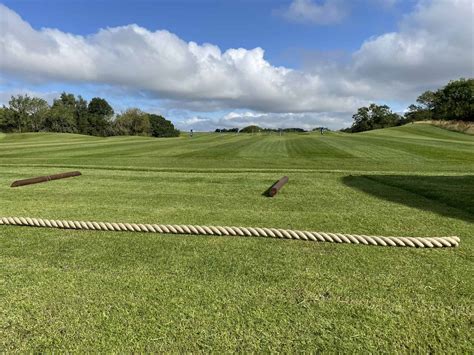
x=98, y=291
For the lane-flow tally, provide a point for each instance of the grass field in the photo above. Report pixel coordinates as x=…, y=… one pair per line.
x=103, y=291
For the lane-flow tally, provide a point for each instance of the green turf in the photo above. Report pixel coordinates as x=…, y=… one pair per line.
x=121, y=292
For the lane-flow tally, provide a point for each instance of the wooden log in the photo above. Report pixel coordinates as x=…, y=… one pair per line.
x=277, y=186
x=39, y=179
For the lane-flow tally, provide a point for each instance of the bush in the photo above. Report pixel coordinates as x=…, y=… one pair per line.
x=133, y=122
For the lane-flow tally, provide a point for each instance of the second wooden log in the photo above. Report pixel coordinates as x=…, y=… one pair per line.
x=277, y=186
x=39, y=179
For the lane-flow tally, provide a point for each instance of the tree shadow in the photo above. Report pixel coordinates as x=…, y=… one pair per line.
x=451, y=196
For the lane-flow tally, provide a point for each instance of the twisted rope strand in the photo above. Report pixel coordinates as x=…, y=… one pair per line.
x=434, y=242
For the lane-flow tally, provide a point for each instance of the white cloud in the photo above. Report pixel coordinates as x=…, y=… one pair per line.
x=325, y=12
x=433, y=45
x=162, y=64
x=386, y=3
x=311, y=12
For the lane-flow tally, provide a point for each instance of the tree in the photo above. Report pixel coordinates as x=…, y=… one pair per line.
x=25, y=114
x=100, y=107
x=417, y=113
x=374, y=117
x=161, y=127
x=293, y=130
x=251, y=129
x=81, y=114
x=66, y=99
x=361, y=120
x=424, y=110
x=133, y=122
x=226, y=130
x=39, y=110
x=427, y=100
x=20, y=107
x=60, y=118
x=6, y=122
x=455, y=101
x=100, y=115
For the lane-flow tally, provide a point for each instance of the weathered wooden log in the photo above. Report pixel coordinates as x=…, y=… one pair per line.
x=277, y=186
x=39, y=179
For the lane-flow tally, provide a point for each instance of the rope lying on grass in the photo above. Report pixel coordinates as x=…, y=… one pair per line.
x=438, y=242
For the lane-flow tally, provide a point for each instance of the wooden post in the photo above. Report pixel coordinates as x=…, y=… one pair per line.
x=39, y=179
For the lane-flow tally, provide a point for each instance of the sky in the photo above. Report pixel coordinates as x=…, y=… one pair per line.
x=231, y=63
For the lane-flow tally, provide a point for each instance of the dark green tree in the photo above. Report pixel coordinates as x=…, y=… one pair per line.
x=99, y=106
x=227, y=130
x=65, y=99
x=60, y=118
x=374, y=117
x=426, y=101
x=455, y=101
x=6, y=122
x=81, y=114
x=251, y=129
x=100, y=115
x=161, y=127
x=423, y=111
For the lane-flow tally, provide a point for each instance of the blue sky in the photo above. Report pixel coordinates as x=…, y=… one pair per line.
x=302, y=62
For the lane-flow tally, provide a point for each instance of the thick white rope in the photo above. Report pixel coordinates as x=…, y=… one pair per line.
x=436, y=242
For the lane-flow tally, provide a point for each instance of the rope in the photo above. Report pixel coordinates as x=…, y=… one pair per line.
x=436, y=242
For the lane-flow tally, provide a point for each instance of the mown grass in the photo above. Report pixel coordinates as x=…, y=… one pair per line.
x=98, y=291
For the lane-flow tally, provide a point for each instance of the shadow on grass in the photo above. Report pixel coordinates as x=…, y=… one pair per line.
x=266, y=193
x=451, y=196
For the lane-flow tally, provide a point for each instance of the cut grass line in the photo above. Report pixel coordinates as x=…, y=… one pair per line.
x=228, y=170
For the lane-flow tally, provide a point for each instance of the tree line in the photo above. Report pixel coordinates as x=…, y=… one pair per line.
x=257, y=129
x=69, y=114
x=453, y=102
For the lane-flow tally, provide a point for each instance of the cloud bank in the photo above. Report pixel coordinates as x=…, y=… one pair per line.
x=433, y=45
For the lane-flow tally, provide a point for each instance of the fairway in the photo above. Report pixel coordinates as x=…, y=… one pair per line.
x=103, y=291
